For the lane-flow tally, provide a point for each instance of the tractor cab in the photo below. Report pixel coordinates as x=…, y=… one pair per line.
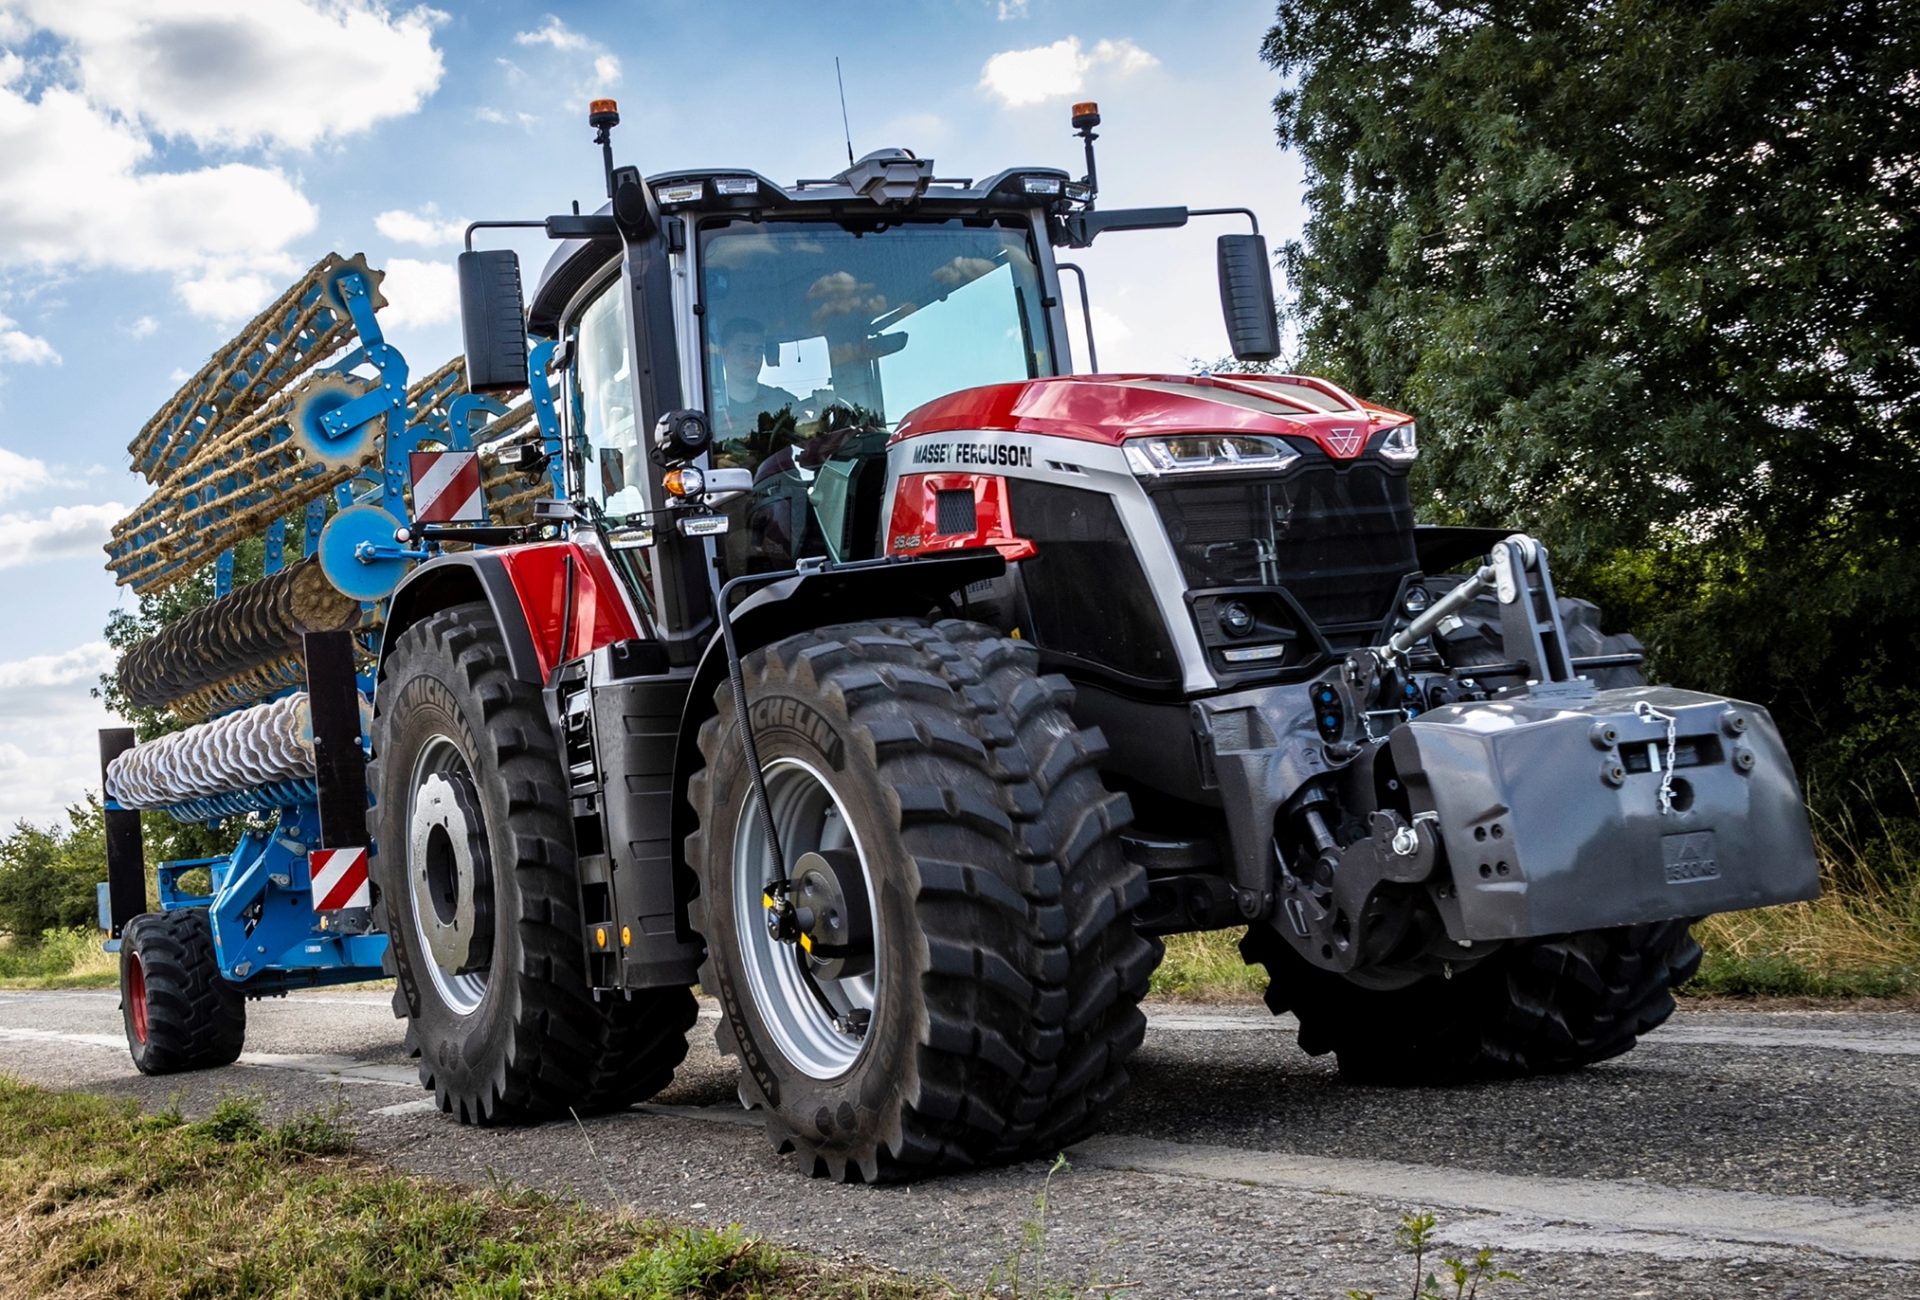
x=799, y=325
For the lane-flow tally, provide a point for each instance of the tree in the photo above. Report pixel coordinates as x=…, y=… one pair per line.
x=1645, y=271
x=47, y=876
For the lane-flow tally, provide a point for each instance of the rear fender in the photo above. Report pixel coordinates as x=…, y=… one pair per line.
x=527, y=588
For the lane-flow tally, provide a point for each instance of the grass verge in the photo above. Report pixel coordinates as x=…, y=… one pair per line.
x=1860, y=938
x=58, y=959
x=1206, y=967
x=97, y=1198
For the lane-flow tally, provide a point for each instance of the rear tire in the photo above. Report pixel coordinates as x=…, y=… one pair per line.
x=1539, y=1006
x=510, y=1032
x=1005, y=975
x=180, y=1014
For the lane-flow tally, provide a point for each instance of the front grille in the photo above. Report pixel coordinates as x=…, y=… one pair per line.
x=1339, y=541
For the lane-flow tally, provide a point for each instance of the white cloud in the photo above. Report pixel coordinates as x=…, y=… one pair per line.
x=1012, y=9
x=19, y=474
x=144, y=327
x=83, y=663
x=423, y=227
x=62, y=533
x=82, y=115
x=22, y=348
x=598, y=65
x=1018, y=78
x=228, y=296
x=75, y=193
x=49, y=756
x=554, y=33
x=500, y=117
x=419, y=293
x=239, y=72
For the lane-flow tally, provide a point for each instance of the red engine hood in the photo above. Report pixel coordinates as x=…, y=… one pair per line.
x=1112, y=408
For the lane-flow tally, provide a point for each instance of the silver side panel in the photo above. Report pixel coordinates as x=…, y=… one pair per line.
x=1092, y=467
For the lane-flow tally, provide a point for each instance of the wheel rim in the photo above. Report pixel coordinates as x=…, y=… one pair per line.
x=450, y=876
x=137, y=996
x=810, y=819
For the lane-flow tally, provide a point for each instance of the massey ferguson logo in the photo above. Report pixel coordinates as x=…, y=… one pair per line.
x=1345, y=441
x=972, y=453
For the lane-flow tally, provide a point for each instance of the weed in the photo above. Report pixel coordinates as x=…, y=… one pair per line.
x=1009, y=1277
x=1414, y=1236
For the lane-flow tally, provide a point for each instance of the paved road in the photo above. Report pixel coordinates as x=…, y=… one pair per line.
x=1733, y=1154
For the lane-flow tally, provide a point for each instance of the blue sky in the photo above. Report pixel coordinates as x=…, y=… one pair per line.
x=166, y=166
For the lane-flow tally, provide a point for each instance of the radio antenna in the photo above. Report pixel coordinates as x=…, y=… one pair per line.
x=843, y=108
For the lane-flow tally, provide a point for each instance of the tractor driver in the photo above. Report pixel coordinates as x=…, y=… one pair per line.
x=750, y=419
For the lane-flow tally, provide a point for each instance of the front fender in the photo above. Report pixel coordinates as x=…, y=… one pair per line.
x=844, y=594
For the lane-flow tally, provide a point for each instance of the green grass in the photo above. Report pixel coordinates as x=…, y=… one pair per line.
x=1206, y=967
x=59, y=959
x=97, y=1198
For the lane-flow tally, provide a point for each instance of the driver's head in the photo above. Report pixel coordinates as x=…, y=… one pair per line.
x=743, y=346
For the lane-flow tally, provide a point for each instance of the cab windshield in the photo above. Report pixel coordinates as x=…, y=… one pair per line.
x=818, y=326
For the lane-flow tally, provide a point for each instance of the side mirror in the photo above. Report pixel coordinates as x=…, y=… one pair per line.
x=1246, y=297
x=493, y=320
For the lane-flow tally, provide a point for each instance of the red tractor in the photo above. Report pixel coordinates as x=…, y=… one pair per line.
x=898, y=686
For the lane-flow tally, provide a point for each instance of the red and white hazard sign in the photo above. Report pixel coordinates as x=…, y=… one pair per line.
x=339, y=879
x=446, y=487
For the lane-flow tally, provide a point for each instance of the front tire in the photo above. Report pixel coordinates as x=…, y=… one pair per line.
x=180, y=1013
x=477, y=881
x=966, y=834
x=1539, y=1006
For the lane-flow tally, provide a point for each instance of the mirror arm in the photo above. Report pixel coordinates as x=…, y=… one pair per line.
x=1252, y=220
x=496, y=225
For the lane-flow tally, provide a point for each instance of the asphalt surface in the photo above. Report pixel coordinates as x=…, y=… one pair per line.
x=1734, y=1153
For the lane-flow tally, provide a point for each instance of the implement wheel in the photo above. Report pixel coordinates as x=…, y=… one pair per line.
x=477, y=879
x=964, y=980
x=180, y=1014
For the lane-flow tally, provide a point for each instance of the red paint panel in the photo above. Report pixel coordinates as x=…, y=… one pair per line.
x=914, y=527
x=600, y=615
x=1110, y=409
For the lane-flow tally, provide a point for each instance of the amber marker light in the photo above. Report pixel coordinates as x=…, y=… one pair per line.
x=684, y=482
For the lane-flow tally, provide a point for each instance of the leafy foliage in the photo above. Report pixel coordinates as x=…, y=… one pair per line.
x=1644, y=271
x=47, y=875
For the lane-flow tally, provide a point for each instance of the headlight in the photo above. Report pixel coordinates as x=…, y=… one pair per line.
x=1208, y=453
x=1401, y=444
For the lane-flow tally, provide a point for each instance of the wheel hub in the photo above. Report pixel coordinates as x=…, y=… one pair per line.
x=451, y=874
x=829, y=895
x=808, y=935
